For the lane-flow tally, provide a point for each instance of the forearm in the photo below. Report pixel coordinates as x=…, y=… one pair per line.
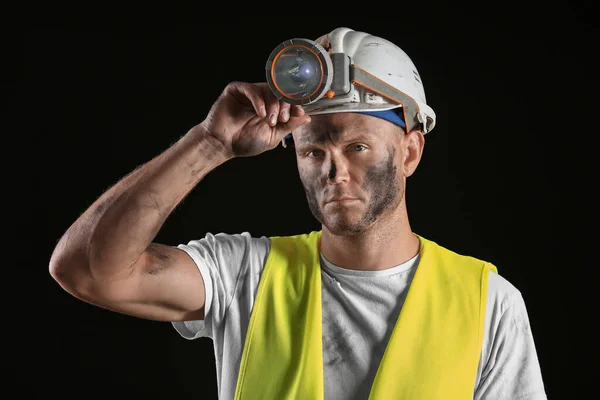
x=116, y=229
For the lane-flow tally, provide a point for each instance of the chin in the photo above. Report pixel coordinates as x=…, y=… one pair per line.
x=344, y=227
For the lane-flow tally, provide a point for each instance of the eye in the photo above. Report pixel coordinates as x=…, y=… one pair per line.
x=358, y=147
x=314, y=153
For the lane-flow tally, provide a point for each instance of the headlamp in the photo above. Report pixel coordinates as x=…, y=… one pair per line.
x=300, y=71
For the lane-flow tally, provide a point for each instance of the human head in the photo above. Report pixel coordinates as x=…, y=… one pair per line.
x=386, y=86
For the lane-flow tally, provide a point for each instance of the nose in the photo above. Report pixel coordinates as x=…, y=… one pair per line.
x=337, y=171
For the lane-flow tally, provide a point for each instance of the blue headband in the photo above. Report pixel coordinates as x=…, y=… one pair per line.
x=389, y=115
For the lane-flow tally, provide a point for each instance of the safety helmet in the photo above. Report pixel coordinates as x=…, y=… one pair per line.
x=349, y=71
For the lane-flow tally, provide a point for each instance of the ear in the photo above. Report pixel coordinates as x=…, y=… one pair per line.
x=413, y=143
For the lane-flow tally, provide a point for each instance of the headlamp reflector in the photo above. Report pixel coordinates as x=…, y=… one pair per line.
x=299, y=71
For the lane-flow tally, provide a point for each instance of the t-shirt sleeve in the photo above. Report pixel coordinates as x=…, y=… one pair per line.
x=512, y=370
x=221, y=259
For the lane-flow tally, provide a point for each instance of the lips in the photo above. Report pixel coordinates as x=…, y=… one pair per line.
x=339, y=199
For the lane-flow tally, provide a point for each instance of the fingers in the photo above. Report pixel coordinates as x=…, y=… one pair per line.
x=284, y=111
x=254, y=94
x=267, y=106
x=296, y=122
x=287, y=111
x=280, y=112
x=283, y=116
x=296, y=111
x=276, y=109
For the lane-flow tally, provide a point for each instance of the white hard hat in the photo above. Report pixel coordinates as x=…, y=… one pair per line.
x=375, y=59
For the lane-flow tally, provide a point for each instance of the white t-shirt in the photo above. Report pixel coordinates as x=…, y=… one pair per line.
x=360, y=309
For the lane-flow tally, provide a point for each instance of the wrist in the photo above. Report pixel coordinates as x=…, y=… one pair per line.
x=210, y=145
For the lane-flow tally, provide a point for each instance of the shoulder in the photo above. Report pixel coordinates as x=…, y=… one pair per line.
x=502, y=294
x=445, y=255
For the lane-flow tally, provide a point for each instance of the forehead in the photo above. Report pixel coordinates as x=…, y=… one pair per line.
x=341, y=127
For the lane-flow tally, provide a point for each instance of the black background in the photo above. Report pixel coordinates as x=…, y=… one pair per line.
x=501, y=176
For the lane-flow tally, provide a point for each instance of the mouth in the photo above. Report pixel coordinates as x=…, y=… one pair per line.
x=340, y=200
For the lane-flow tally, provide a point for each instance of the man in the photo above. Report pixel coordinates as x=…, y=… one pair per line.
x=363, y=308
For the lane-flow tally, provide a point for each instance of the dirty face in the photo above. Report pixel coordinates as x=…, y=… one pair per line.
x=350, y=167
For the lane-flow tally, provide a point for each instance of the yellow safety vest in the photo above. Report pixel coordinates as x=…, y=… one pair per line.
x=433, y=351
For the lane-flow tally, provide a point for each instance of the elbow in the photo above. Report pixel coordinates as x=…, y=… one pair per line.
x=59, y=266
x=57, y=269
x=59, y=273
x=73, y=279
x=63, y=275
x=70, y=273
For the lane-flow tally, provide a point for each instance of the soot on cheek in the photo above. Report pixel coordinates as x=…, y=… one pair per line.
x=380, y=183
x=310, y=183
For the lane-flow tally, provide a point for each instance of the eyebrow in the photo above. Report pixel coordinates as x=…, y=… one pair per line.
x=320, y=139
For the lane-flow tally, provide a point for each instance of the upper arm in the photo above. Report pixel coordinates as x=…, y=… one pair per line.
x=164, y=284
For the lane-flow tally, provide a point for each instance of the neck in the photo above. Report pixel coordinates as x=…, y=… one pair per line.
x=385, y=244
